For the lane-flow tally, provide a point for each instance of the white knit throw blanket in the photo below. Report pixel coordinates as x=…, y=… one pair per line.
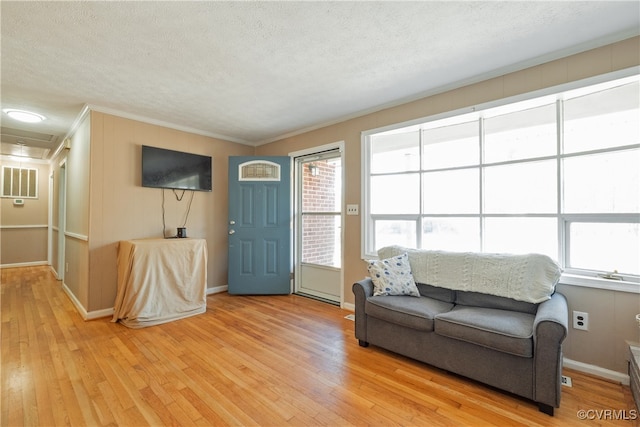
x=531, y=277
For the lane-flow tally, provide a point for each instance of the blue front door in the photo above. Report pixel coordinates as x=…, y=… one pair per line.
x=259, y=225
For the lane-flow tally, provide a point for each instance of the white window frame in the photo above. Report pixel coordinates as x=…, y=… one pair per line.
x=570, y=276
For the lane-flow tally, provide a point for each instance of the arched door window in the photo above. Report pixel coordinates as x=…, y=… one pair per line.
x=259, y=170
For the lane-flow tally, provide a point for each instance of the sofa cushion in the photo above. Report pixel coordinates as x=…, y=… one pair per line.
x=503, y=330
x=476, y=299
x=416, y=313
x=392, y=276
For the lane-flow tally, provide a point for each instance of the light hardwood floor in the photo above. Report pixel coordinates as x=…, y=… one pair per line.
x=268, y=361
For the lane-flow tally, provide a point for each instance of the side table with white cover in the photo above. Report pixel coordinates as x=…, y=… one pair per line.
x=160, y=280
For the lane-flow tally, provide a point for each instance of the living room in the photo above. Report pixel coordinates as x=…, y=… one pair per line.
x=104, y=202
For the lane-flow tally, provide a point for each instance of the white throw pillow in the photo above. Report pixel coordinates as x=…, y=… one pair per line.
x=392, y=276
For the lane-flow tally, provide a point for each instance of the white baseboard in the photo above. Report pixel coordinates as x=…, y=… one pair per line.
x=54, y=272
x=217, y=289
x=24, y=264
x=99, y=314
x=74, y=300
x=596, y=370
x=348, y=306
x=86, y=315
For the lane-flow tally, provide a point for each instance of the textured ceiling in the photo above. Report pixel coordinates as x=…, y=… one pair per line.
x=251, y=72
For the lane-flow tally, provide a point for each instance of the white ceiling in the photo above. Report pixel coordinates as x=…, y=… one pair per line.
x=252, y=72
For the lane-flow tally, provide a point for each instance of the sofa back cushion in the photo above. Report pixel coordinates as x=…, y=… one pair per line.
x=440, y=294
x=476, y=299
x=528, y=277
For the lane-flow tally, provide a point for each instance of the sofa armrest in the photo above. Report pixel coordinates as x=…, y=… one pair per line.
x=549, y=331
x=363, y=287
x=553, y=310
x=362, y=290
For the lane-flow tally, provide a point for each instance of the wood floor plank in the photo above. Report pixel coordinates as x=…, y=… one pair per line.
x=248, y=361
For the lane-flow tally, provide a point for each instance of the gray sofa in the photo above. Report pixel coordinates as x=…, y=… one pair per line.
x=510, y=344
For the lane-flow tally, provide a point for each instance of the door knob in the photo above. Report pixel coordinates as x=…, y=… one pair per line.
x=232, y=231
x=232, y=222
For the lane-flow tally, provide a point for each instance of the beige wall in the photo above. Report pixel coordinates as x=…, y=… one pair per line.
x=78, y=176
x=611, y=323
x=608, y=328
x=121, y=209
x=24, y=246
x=23, y=229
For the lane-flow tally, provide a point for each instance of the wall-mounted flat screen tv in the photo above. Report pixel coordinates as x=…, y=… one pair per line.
x=162, y=168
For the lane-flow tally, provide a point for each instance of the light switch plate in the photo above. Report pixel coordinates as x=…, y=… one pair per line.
x=353, y=210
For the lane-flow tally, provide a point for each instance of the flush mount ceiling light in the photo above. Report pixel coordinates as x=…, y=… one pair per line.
x=24, y=116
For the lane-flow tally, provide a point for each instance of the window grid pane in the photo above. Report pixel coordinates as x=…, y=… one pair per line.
x=592, y=183
x=452, y=192
x=521, y=135
x=396, y=152
x=389, y=194
x=605, y=119
x=394, y=232
x=521, y=235
x=451, y=146
x=451, y=234
x=521, y=188
x=605, y=247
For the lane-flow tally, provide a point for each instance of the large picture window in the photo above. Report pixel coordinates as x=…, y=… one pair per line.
x=557, y=174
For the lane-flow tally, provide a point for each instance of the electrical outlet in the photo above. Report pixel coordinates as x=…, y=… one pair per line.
x=581, y=320
x=353, y=210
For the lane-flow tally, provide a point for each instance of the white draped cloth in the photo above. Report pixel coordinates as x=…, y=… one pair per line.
x=160, y=280
x=530, y=277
